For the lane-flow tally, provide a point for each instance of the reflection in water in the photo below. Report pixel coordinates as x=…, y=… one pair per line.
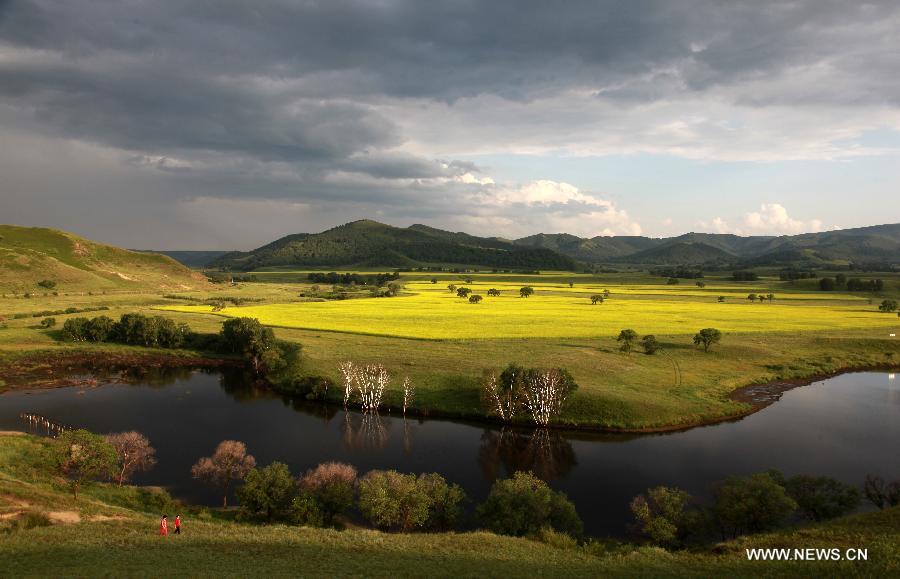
x=365, y=431
x=543, y=451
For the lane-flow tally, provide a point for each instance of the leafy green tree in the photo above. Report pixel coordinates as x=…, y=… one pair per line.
x=751, y=504
x=820, y=498
x=596, y=299
x=888, y=306
x=650, y=344
x=526, y=291
x=494, y=292
x=392, y=500
x=100, y=329
x=662, y=516
x=434, y=280
x=752, y=297
x=626, y=340
x=475, y=299
x=445, y=500
x=701, y=284
x=452, y=288
x=268, y=493
x=463, y=292
x=332, y=486
x=306, y=510
x=48, y=322
x=80, y=455
x=394, y=288
x=75, y=329
x=255, y=342
x=707, y=337
x=826, y=284
x=524, y=504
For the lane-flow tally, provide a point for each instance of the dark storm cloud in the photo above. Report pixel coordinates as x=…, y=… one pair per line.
x=298, y=100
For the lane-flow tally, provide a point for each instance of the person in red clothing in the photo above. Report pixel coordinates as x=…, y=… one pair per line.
x=177, y=524
x=164, y=526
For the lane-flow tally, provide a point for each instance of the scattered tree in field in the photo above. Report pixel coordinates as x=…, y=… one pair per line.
x=229, y=462
x=820, y=498
x=672, y=281
x=888, y=306
x=524, y=504
x=47, y=283
x=750, y=504
x=606, y=293
x=701, y=284
x=48, y=322
x=881, y=494
x=452, y=288
x=650, y=344
x=493, y=292
x=80, y=455
x=662, y=516
x=332, y=486
x=367, y=383
x=133, y=452
x=626, y=339
x=721, y=299
x=596, y=299
x=475, y=299
x=770, y=297
x=526, y=291
x=394, y=288
x=267, y=493
x=752, y=297
x=409, y=392
x=571, y=284
x=463, y=292
x=826, y=284
x=707, y=337
x=469, y=279
x=255, y=342
x=434, y=280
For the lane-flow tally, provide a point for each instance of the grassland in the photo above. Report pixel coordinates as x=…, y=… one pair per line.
x=112, y=531
x=793, y=337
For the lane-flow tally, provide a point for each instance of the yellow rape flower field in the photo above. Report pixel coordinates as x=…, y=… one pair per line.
x=430, y=311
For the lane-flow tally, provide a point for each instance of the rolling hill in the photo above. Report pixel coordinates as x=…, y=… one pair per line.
x=875, y=244
x=29, y=255
x=371, y=244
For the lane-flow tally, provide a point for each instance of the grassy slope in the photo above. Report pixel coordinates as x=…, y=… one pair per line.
x=128, y=545
x=32, y=254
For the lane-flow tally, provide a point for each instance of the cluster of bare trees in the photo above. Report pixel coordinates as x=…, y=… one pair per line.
x=540, y=392
x=365, y=384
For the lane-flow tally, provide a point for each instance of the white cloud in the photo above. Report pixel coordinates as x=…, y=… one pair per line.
x=773, y=218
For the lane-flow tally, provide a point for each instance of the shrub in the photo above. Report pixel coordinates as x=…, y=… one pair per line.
x=332, y=486
x=268, y=493
x=393, y=500
x=880, y=494
x=662, y=516
x=524, y=504
x=650, y=344
x=75, y=329
x=750, y=505
x=306, y=510
x=47, y=283
x=822, y=498
x=48, y=322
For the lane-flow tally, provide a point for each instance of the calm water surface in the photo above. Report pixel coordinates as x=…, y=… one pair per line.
x=844, y=427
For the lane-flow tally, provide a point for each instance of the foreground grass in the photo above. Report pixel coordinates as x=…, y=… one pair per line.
x=116, y=536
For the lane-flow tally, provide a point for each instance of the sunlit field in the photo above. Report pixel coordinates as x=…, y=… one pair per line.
x=431, y=311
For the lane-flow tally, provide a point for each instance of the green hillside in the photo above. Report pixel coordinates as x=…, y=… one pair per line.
x=29, y=255
x=372, y=244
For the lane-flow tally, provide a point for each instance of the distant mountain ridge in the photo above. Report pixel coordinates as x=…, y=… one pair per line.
x=367, y=243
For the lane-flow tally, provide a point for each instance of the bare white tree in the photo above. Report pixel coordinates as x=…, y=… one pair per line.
x=367, y=382
x=409, y=392
x=500, y=402
x=544, y=393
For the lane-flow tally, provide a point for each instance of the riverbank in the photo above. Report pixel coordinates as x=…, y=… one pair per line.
x=112, y=531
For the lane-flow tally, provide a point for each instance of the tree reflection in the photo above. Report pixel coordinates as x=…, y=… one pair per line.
x=366, y=431
x=543, y=451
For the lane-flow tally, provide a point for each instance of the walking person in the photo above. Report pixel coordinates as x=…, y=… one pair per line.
x=164, y=526
x=177, y=524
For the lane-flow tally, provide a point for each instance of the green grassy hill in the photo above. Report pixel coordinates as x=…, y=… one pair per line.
x=29, y=255
x=372, y=244
x=112, y=531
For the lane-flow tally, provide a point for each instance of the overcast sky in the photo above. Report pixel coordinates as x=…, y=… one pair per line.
x=225, y=124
